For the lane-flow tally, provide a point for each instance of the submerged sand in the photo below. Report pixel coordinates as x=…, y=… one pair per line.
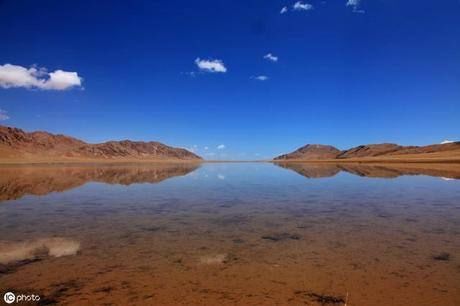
x=263, y=235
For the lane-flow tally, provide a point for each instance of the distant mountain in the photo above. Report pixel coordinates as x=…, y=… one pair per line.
x=375, y=151
x=18, y=145
x=312, y=152
x=370, y=150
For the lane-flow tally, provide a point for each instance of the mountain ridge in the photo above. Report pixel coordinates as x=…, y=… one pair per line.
x=17, y=144
x=319, y=152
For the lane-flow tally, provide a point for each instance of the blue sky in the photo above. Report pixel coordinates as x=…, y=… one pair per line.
x=368, y=72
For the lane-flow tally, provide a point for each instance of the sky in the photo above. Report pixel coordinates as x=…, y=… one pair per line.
x=233, y=79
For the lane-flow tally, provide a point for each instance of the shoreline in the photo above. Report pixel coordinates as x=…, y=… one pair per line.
x=303, y=161
x=374, y=161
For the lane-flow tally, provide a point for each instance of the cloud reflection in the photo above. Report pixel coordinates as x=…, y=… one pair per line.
x=11, y=252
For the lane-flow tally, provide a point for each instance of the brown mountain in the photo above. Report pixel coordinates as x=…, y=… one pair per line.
x=18, y=145
x=370, y=150
x=312, y=152
x=384, y=151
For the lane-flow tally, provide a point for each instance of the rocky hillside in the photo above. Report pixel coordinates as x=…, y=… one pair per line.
x=370, y=150
x=312, y=152
x=16, y=144
x=374, y=151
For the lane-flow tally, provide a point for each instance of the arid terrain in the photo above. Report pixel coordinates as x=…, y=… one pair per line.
x=385, y=152
x=18, y=146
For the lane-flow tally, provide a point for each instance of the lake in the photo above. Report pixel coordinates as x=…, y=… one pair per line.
x=231, y=234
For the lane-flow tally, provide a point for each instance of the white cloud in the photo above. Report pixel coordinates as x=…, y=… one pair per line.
x=300, y=6
x=61, y=80
x=221, y=177
x=271, y=57
x=206, y=148
x=447, y=141
x=18, y=76
x=4, y=115
x=284, y=9
x=353, y=2
x=355, y=5
x=190, y=73
x=260, y=78
x=194, y=148
x=221, y=147
x=211, y=65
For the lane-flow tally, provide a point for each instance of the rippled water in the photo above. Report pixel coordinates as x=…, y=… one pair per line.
x=232, y=233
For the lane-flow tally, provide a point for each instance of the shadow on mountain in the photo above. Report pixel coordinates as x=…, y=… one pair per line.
x=318, y=170
x=16, y=182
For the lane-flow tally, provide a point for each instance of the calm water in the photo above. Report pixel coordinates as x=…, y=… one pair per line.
x=236, y=233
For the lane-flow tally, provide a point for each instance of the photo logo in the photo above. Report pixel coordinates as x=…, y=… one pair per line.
x=9, y=297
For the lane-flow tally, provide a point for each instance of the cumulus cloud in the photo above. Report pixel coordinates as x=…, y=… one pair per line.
x=221, y=147
x=447, y=141
x=17, y=76
x=210, y=65
x=61, y=80
x=284, y=9
x=354, y=4
x=271, y=57
x=300, y=6
x=260, y=78
x=4, y=115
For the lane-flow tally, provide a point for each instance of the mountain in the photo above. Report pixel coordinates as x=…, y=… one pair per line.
x=312, y=152
x=18, y=145
x=370, y=150
x=383, y=151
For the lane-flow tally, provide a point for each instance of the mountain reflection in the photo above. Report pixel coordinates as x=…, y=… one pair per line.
x=316, y=170
x=312, y=170
x=16, y=182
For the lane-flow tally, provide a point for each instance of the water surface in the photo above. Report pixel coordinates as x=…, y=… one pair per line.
x=232, y=233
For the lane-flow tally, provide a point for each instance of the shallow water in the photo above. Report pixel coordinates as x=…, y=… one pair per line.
x=231, y=233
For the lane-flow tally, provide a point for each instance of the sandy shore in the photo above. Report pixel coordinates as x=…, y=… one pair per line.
x=94, y=161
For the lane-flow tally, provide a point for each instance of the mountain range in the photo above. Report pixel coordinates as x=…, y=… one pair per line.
x=384, y=151
x=18, y=145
